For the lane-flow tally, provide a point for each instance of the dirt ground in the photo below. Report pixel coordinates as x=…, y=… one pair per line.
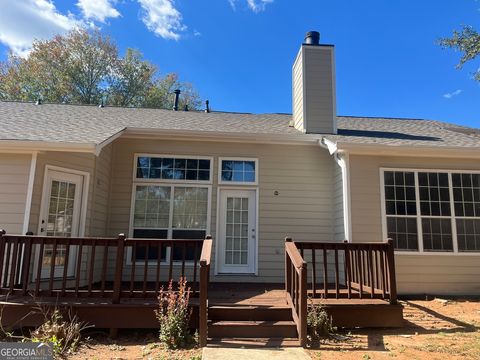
x=130, y=345
x=435, y=329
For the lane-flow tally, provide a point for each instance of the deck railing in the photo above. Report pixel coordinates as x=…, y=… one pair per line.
x=337, y=270
x=296, y=287
x=109, y=268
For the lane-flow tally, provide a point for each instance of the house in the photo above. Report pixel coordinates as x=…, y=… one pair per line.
x=249, y=180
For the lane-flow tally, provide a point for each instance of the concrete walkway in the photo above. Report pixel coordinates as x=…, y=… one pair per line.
x=292, y=353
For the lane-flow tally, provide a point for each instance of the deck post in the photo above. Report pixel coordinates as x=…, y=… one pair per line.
x=117, y=284
x=203, y=287
x=303, y=305
x=288, y=274
x=391, y=271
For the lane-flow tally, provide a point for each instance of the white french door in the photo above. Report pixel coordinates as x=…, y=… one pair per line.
x=237, y=231
x=60, y=216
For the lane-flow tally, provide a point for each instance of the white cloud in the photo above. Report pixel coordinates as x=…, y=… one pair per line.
x=452, y=94
x=21, y=22
x=98, y=9
x=197, y=33
x=233, y=4
x=255, y=5
x=258, y=5
x=162, y=18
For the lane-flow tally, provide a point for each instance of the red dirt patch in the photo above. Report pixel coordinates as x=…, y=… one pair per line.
x=436, y=329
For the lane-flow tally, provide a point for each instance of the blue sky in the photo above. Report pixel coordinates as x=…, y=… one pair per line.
x=238, y=53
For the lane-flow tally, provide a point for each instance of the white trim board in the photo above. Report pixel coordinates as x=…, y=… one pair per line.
x=28, y=202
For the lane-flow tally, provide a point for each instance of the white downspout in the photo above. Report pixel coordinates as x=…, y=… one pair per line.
x=343, y=160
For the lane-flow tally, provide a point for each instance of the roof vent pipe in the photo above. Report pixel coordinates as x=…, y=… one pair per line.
x=312, y=38
x=185, y=108
x=207, y=106
x=38, y=102
x=175, y=101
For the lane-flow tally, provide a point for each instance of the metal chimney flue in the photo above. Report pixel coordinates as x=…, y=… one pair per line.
x=207, y=106
x=175, y=100
x=312, y=38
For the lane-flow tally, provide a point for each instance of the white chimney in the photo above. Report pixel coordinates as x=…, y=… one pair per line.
x=313, y=80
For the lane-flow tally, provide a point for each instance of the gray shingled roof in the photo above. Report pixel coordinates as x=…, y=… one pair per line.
x=93, y=125
x=404, y=132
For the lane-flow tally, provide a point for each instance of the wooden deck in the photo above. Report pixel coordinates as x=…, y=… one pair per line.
x=362, y=294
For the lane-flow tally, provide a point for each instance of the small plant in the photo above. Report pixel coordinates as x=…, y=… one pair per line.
x=65, y=335
x=319, y=324
x=174, y=315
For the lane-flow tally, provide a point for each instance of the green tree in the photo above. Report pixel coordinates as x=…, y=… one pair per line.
x=131, y=80
x=466, y=41
x=84, y=67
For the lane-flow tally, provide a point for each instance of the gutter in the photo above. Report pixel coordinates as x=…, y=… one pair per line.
x=27, y=145
x=400, y=150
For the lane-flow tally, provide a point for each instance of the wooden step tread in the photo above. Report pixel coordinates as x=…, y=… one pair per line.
x=252, y=323
x=249, y=342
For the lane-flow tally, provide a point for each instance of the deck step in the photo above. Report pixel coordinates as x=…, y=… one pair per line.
x=252, y=329
x=250, y=342
x=249, y=313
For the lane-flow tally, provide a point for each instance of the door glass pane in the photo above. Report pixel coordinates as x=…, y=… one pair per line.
x=60, y=218
x=236, y=232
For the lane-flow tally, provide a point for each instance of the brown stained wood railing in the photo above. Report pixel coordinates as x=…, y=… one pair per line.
x=205, y=259
x=350, y=270
x=338, y=270
x=296, y=288
x=111, y=268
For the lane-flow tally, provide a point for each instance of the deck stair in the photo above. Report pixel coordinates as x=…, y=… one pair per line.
x=261, y=318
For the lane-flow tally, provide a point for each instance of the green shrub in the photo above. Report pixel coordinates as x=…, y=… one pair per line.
x=174, y=315
x=319, y=324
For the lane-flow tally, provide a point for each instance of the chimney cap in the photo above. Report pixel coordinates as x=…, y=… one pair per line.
x=312, y=38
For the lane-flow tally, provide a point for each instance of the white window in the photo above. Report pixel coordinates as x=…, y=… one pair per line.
x=174, y=210
x=432, y=211
x=238, y=171
x=167, y=168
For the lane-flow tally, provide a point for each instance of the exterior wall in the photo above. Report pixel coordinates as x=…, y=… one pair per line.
x=101, y=193
x=303, y=176
x=314, y=108
x=14, y=174
x=421, y=273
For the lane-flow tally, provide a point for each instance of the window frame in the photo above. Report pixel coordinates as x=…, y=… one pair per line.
x=418, y=216
x=246, y=183
x=168, y=181
x=172, y=184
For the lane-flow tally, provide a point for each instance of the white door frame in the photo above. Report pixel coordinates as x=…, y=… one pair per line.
x=219, y=247
x=82, y=205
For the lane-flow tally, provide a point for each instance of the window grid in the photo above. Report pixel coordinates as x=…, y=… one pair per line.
x=172, y=168
x=445, y=224
x=238, y=171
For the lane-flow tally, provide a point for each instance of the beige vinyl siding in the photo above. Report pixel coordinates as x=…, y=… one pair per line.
x=313, y=79
x=101, y=192
x=416, y=274
x=297, y=92
x=14, y=174
x=319, y=112
x=302, y=175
